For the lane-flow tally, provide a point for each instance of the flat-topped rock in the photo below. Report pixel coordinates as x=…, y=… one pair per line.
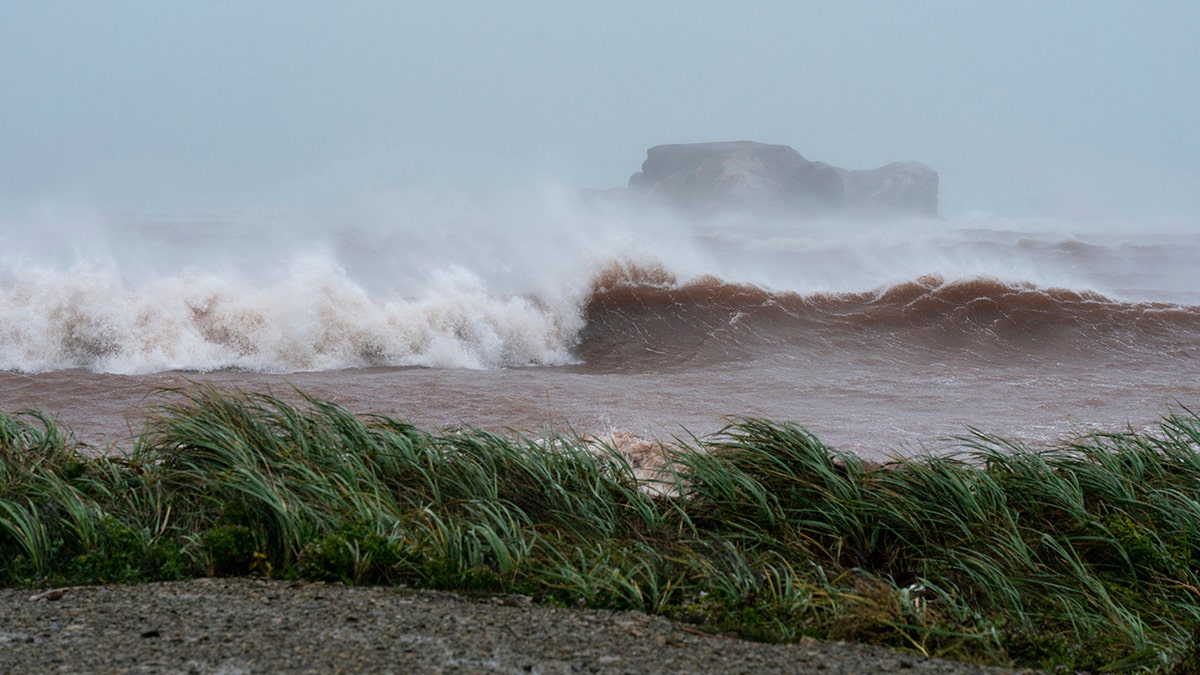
x=761, y=180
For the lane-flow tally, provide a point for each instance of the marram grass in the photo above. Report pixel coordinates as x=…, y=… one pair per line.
x=1083, y=557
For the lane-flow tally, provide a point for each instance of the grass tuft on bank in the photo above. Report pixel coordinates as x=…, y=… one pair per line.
x=1083, y=557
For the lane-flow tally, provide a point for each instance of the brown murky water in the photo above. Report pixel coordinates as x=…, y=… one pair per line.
x=1032, y=336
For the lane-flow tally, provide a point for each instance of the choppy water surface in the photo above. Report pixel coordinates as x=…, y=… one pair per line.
x=880, y=337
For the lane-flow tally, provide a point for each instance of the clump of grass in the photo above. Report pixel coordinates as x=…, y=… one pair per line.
x=1079, y=557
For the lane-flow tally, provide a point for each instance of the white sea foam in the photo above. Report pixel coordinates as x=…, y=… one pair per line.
x=497, y=282
x=315, y=318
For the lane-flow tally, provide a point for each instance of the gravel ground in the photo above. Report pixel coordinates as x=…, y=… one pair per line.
x=255, y=626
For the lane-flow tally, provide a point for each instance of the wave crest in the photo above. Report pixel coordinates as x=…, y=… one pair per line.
x=640, y=318
x=312, y=319
x=632, y=317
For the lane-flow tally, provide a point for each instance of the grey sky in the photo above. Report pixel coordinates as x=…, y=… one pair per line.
x=1082, y=109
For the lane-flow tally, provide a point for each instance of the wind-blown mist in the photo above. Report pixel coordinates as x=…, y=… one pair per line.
x=539, y=308
x=376, y=202
x=503, y=281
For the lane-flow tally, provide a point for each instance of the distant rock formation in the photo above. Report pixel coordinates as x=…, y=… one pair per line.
x=775, y=181
x=897, y=189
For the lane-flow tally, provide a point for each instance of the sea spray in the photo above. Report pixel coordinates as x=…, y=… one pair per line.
x=314, y=318
x=488, y=282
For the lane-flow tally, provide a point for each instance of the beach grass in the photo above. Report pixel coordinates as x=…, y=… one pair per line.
x=1081, y=557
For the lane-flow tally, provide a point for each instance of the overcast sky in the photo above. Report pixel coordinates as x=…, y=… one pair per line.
x=1078, y=109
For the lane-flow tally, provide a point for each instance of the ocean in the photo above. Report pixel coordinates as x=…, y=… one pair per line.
x=539, y=312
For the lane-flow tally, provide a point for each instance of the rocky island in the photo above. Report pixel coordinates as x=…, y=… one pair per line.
x=744, y=178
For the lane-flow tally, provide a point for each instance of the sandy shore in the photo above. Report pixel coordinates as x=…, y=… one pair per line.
x=255, y=626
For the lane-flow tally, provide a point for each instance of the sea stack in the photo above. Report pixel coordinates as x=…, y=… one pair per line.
x=704, y=180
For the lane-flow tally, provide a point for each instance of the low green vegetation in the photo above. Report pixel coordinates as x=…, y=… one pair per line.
x=1083, y=557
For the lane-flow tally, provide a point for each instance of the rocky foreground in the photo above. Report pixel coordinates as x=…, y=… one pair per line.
x=253, y=626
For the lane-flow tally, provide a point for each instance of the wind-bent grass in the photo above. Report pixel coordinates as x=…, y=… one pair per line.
x=1083, y=556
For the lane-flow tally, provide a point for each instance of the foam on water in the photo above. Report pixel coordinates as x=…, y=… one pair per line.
x=494, y=282
x=314, y=318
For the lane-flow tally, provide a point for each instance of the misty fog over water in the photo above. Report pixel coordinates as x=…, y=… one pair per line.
x=383, y=204
x=1060, y=110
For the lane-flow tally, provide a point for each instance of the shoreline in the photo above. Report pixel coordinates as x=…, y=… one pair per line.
x=1078, y=557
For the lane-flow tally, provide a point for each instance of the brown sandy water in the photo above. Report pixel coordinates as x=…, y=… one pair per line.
x=881, y=341
x=871, y=404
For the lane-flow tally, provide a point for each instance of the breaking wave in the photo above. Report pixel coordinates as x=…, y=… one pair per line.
x=641, y=318
x=506, y=286
x=313, y=319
